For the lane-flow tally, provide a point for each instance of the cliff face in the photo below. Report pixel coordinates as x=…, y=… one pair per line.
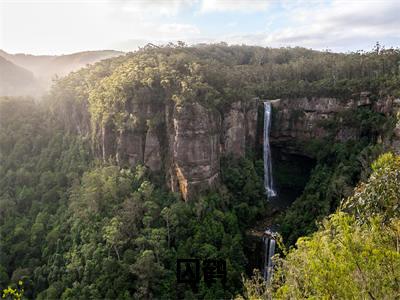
x=194, y=144
x=184, y=142
x=299, y=121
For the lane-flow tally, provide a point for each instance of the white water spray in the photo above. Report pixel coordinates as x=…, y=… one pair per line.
x=268, y=180
x=269, y=251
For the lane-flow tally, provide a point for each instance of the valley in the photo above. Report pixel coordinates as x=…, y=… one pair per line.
x=137, y=160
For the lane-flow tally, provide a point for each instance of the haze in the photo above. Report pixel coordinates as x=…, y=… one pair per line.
x=60, y=26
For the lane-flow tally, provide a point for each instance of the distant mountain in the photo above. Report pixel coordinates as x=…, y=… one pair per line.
x=15, y=80
x=46, y=67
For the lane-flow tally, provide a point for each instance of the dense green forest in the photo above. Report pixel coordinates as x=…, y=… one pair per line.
x=76, y=226
x=355, y=252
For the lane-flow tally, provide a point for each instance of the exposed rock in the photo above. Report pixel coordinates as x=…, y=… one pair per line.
x=251, y=117
x=130, y=148
x=240, y=127
x=299, y=121
x=152, y=151
x=187, y=140
x=234, y=130
x=195, y=148
x=198, y=136
x=108, y=141
x=346, y=134
x=295, y=121
x=384, y=105
x=364, y=99
x=395, y=142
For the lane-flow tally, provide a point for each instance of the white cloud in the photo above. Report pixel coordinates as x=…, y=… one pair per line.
x=60, y=26
x=339, y=25
x=154, y=7
x=178, y=30
x=233, y=5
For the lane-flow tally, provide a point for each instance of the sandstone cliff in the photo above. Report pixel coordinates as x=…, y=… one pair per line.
x=184, y=142
x=299, y=121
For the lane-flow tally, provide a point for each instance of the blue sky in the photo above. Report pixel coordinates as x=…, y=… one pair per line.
x=65, y=26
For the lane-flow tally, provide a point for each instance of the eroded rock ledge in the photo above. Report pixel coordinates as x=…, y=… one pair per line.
x=185, y=142
x=299, y=121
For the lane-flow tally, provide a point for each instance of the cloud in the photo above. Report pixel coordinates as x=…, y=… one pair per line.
x=233, y=5
x=97, y=24
x=339, y=25
x=154, y=7
x=175, y=29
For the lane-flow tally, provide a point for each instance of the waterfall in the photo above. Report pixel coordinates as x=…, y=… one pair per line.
x=269, y=237
x=269, y=244
x=268, y=180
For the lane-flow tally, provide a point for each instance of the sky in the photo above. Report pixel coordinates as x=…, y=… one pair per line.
x=66, y=26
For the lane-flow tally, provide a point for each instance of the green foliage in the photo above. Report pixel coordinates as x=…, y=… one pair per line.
x=13, y=293
x=215, y=76
x=351, y=256
x=381, y=193
x=255, y=287
x=343, y=260
x=339, y=167
x=75, y=228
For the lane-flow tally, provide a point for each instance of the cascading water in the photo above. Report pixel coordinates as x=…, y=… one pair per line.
x=268, y=239
x=269, y=244
x=268, y=180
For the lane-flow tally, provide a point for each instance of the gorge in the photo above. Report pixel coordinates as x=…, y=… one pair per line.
x=170, y=152
x=188, y=140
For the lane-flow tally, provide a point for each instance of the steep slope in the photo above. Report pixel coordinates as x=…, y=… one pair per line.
x=178, y=110
x=47, y=67
x=28, y=61
x=15, y=80
x=63, y=64
x=355, y=252
x=95, y=223
x=50, y=65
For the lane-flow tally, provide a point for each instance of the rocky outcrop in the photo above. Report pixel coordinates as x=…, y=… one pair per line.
x=391, y=106
x=195, y=148
x=299, y=121
x=184, y=142
x=240, y=127
x=251, y=122
x=234, y=130
x=152, y=151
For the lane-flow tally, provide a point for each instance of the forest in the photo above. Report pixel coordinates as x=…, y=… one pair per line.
x=75, y=224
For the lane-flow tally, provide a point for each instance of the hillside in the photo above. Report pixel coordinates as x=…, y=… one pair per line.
x=47, y=67
x=139, y=160
x=15, y=80
x=355, y=252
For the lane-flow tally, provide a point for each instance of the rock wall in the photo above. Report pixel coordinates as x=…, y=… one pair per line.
x=298, y=121
x=195, y=148
x=391, y=106
x=185, y=142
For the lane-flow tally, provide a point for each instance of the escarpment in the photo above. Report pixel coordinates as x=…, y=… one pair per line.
x=195, y=148
x=297, y=122
x=179, y=110
x=184, y=142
